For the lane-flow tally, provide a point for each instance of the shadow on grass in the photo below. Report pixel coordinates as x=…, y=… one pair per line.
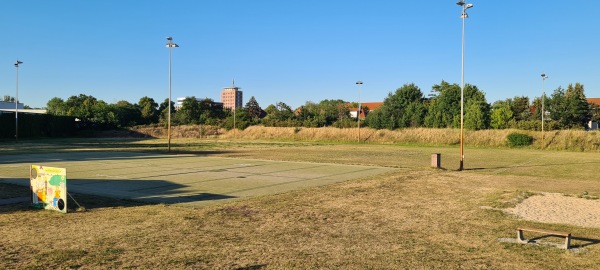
x=78, y=145
x=103, y=193
x=252, y=267
x=588, y=241
x=58, y=156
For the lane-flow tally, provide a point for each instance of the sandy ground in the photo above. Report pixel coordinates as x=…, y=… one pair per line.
x=558, y=208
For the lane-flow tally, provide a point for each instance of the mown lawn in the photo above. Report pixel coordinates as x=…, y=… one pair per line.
x=418, y=218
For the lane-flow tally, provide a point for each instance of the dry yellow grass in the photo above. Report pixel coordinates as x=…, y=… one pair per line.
x=422, y=220
x=418, y=218
x=572, y=140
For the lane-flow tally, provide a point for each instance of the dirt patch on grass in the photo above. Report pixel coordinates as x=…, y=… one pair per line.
x=558, y=208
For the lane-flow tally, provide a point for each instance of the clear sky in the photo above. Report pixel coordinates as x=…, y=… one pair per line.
x=293, y=50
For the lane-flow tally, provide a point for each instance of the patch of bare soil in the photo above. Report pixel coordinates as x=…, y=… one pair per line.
x=558, y=208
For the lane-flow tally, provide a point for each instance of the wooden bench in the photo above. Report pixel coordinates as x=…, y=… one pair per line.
x=522, y=240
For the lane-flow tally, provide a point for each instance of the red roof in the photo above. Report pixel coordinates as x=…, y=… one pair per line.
x=594, y=101
x=370, y=105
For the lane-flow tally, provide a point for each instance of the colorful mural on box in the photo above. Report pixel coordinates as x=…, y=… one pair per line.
x=49, y=188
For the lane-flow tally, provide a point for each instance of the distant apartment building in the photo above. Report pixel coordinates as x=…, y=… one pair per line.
x=231, y=97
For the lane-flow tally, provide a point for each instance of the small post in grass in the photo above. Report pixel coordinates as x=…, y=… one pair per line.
x=436, y=160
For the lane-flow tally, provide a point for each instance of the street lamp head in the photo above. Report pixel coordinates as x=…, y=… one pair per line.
x=18, y=63
x=544, y=76
x=359, y=82
x=468, y=6
x=169, y=38
x=172, y=45
x=460, y=3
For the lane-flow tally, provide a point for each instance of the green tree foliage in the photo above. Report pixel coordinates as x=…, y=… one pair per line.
x=444, y=106
x=211, y=112
x=579, y=109
x=502, y=115
x=403, y=108
x=309, y=115
x=190, y=111
x=127, y=114
x=8, y=98
x=241, y=121
x=520, y=107
x=81, y=106
x=279, y=115
x=381, y=118
x=414, y=115
x=477, y=115
x=325, y=113
x=105, y=116
x=333, y=110
x=252, y=108
x=595, y=110
x=570, y=108
x=406, y=107
x=56, y=106
x=163, y=108
x=148, y=110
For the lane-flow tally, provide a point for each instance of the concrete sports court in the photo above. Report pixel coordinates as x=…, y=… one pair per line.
x=191, y=180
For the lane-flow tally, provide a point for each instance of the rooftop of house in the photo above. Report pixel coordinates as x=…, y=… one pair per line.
x=594, y=101
x=369, y=105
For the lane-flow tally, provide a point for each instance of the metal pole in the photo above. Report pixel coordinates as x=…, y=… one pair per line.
x=359, y=108
x=170, y=45
x=17, y=105
x=169, y=117
x=234, y=109
x=544, y=77
x=17, y=102
x=462, y=89
x=464, y=15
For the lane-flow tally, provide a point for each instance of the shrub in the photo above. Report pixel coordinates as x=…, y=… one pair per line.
x=519, y=139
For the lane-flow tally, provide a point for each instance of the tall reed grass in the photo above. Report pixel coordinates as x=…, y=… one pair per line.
x=571, y=140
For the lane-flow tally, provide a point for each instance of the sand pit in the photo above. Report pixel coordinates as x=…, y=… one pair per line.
x=558, y=208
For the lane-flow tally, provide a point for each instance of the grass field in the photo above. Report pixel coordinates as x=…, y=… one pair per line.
x=413, y=217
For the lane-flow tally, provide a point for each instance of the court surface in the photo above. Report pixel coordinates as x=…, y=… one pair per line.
x=191, y=180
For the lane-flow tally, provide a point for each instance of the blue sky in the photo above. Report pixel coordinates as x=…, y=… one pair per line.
x=293, y=51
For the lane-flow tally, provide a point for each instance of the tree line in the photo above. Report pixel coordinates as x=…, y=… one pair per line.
x=407, y=107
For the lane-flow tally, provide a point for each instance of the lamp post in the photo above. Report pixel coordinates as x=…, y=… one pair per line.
x=17, y=102
x=235, y=99
x=359, y=83
x=463, y=16
x=544, y=77
x=170, y=45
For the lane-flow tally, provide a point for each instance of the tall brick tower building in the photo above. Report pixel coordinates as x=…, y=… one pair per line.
x=231, y=97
